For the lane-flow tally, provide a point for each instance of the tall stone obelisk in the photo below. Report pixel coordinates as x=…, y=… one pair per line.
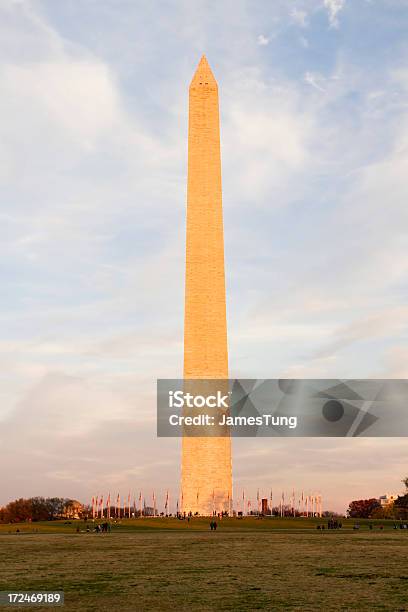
x=206, y=473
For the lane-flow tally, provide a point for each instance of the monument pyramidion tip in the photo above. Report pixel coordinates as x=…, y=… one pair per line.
x=203, y=75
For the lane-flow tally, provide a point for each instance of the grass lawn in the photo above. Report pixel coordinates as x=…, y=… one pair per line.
x=243, y=567
x=195, y=524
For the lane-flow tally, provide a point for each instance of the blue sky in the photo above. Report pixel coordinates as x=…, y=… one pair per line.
x=93, y=151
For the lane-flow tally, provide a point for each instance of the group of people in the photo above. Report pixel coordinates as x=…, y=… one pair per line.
x=102, y=528
x=334, y=524
x=331, y=524
x=213, y=525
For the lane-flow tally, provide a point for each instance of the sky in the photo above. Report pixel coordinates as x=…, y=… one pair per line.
x=93, y=158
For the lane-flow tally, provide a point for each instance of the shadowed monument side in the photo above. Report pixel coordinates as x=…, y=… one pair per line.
x=206, y=469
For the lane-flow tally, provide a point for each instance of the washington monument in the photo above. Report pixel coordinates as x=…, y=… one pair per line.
x=206, y=471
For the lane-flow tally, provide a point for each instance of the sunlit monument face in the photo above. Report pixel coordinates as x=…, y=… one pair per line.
x=206, y=474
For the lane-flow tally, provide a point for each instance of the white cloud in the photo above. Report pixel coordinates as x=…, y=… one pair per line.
x=263, y=40
x=384, y=324
x=266, y=128
x=299, y=17
x=314, y=80
x=334, y=7
x=304, y=42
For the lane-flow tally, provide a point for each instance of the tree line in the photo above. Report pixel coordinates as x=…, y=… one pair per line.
x=371, y=508
x=40, y=509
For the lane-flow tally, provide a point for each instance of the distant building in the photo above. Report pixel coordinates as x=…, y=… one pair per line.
x=149, y=511
x=72, y=510
x=387, y=499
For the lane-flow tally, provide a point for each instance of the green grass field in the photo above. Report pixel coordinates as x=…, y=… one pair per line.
x=195, y=524
x=250, y=564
